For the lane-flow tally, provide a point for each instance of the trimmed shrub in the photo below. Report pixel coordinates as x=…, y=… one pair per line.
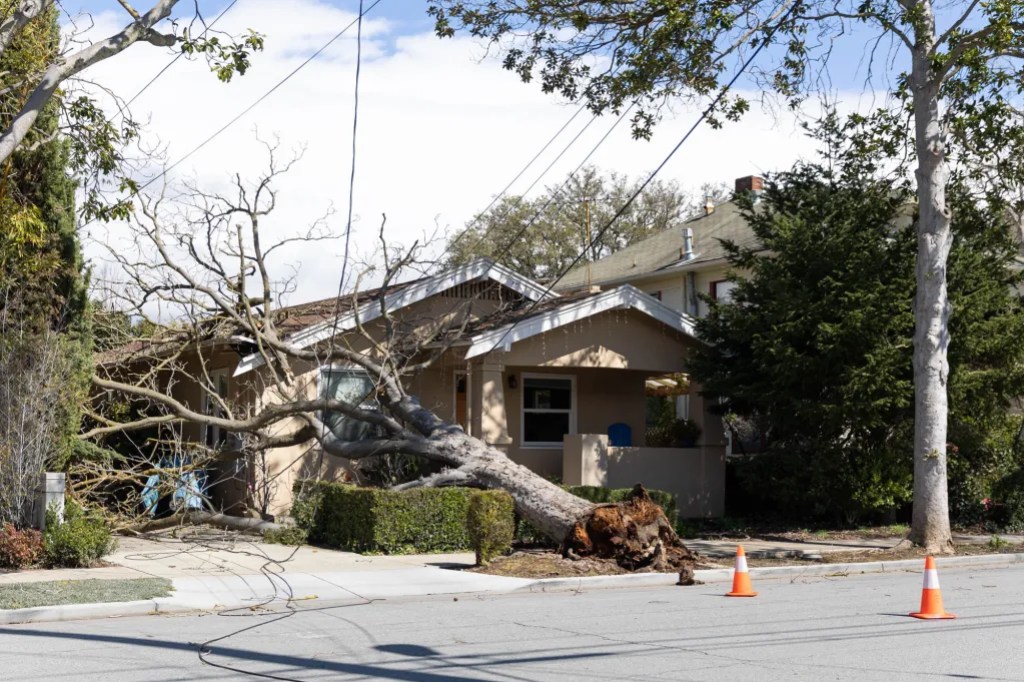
x=19, y=548
x=79, y=542
x=386, y=521
x=491, y=524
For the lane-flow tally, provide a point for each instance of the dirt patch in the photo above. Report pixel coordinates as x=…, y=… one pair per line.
x=866, y=555
x=539, y=563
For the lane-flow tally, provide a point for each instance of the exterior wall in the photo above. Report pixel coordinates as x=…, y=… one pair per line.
x=675, y=288
x=696, y=476
x=603, y=397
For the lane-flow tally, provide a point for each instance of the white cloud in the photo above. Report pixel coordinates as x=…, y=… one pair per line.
x=440, y=131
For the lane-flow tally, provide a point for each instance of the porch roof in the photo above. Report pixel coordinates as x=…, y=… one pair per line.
x=500, y=332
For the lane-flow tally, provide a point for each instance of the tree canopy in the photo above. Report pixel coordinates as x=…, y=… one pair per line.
x=815, y=346
x=541, y=237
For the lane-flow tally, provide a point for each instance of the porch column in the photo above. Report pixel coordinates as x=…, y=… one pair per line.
x=711, y=426
x=489, y=416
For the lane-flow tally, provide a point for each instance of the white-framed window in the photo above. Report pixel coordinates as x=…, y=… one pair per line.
x=353, y=386
x=548, y=409
x=214, y=436
x=721, y=290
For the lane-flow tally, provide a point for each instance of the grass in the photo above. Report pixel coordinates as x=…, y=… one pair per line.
x=52, y=593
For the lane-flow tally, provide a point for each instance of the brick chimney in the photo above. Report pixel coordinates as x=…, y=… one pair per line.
x=751, y=183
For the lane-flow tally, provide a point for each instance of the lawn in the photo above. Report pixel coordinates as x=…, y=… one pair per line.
x=26, y=595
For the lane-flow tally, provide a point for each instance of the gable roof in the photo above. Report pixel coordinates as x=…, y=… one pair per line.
x=502, y=331
x=665, y=250
x=320, y=317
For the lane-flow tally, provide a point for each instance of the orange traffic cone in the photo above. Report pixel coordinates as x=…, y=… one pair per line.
x=741, y=586
x=931, y=595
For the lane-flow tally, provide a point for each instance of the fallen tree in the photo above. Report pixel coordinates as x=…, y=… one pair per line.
x=212, y=270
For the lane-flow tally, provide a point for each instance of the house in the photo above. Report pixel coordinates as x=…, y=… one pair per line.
x=558, y=381
x=677, y=264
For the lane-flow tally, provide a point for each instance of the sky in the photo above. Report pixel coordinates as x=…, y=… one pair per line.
x=442, y=128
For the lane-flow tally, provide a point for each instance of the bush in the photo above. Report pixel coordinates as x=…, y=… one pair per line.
x=79, y=542
x=593, y=493
x=387, y=521
x=19, y=548
x=1007, y=512
x=491, y=524
x=289, y=535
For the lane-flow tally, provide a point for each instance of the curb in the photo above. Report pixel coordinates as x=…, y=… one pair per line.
x=65, y=612
x=165, y=605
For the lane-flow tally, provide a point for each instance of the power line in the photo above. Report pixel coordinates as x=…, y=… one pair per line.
x=522, y=172
x=171, y=63
x=358, y=20
x=639, y=190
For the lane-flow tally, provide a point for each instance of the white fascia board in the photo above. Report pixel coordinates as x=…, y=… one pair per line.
x=626, y=296
x=478, y=269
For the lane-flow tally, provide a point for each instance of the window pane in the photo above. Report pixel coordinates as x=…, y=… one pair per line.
x=355, y=388
x=545, y=427
x=547, y=394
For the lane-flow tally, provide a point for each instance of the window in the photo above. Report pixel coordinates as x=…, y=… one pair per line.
x=355, y=387
x=721, y=290
x=655, y=294
x=214, y=436
x=548, y=410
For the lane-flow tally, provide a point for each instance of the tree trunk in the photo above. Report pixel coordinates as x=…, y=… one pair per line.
x=930, y=525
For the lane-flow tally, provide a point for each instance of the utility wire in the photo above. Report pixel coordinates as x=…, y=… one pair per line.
x=178, y=56
x=358, y=20
x=204, y=649
x=522, y=172
x=639, y=190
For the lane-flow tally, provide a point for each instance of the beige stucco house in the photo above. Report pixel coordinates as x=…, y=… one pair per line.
x=542, y=375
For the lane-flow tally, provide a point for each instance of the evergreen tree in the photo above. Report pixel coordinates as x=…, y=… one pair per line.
x=43, y=286
x=816, y=346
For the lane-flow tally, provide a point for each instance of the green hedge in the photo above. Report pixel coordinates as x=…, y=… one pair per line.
x=386, y=521
x=491, y=524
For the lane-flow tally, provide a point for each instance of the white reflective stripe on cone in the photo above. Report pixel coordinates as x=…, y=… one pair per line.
x=931, y=579
x=741, y=564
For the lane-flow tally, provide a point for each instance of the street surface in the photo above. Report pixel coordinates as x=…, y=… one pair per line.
x=850, y=628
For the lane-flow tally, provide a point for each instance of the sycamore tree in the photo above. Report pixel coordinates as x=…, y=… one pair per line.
x=206, y=261
x=540, y=237
x=956, y=69
x=33, y=88
x=814, y=346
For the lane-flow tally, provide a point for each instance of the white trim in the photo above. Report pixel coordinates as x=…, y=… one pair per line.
x=482, y=268
x=931, y=579
x=626, y=296
x=573, y=407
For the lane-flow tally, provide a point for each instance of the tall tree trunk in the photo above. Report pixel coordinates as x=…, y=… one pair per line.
x=930, y=526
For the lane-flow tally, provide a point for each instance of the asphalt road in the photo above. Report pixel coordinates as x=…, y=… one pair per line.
x=851, y=627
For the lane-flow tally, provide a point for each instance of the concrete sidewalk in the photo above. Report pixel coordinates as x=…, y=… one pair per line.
x=214, y=572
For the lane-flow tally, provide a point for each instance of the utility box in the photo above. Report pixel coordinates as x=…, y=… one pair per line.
x=49, y=494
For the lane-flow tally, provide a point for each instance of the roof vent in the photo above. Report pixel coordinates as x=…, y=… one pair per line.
x=688, y=243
